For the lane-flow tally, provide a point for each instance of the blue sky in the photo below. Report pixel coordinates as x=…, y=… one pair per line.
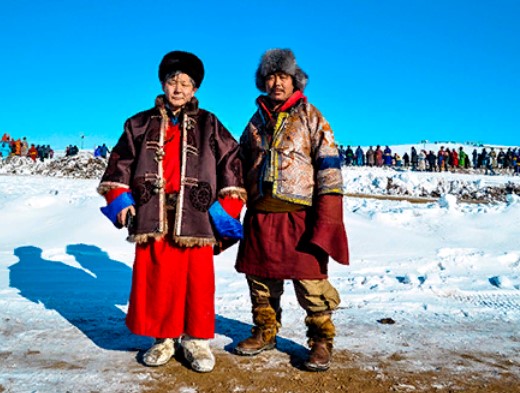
x=382, y=72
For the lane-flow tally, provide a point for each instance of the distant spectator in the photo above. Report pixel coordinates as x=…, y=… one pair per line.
x=32, y=153
x=406, y=160
x=349, y=156
x=71, y=151
x=18, y=147
x=398, y=162
x=24, y=148
x=474, y=156
x=432, y=158
x=454, y=158
x=508, y=162
x=447, y=159
x=415, y=158
x=341, y=151
x=47, y=151
x=501, y=158
x=370, y=157
x=5, y=150
x=379, y=156
x=387, y=155
x=493, y=157
x=360, y=156
x=421, y=161
x=463, y=158
x=440, y=159
x=103, y=151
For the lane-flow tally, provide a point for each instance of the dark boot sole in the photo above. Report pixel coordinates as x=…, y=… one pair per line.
x=253, y=352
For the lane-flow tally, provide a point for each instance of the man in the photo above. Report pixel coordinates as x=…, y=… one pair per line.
x=164, y=176
x=294, y=219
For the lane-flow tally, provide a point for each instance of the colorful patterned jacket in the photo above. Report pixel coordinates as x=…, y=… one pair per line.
x=210, y=168
x=293, y=150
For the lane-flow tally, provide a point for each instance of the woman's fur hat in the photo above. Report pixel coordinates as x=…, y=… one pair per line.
x=276, y=60
x=184, y=62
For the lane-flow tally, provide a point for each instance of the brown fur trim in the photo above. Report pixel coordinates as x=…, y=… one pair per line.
x=265, y=320
x=159, y=101
x=320, y=326
x=106, y=186
x=264, y=316
x=144, y=237
x=234, y=192
x=188, y=241
x=183, y=241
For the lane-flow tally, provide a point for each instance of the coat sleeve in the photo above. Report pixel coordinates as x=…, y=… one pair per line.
x=229, y=166
x=328, y=232
x=120, y=164
x=326, y=160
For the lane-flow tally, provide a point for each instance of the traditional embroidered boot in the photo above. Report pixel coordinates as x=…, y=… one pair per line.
x=263, y=335
x=321, y=332
x=160, y=353
x=198, y=353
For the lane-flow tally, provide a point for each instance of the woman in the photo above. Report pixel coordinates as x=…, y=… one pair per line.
x=173, y=166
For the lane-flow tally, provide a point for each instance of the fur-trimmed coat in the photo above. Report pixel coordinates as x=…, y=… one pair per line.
x=300, y=152
x=210, y=168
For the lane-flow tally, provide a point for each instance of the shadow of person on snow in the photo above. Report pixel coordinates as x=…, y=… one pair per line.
x=86, y=299
x=238, y=331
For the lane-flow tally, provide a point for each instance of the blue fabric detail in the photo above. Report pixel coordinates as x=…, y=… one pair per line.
x=226, y=226
x=329, y=162
x=122, y=201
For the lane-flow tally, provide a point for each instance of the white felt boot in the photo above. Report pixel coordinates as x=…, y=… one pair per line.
x=198, y=353
x=160, y=353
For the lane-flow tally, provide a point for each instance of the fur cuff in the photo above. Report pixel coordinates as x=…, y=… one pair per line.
x=320, y=326
x=106, y=186
x=233, y=192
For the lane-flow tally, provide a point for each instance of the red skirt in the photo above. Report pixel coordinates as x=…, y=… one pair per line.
x=277, y=245
x=173, y=291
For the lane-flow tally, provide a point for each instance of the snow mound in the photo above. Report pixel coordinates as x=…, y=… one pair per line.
x=82, y=166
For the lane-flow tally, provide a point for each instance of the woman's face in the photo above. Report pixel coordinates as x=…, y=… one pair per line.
x=179, y=90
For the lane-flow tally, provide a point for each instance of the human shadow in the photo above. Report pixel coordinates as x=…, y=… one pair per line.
x=239, y=331
x=87, y=301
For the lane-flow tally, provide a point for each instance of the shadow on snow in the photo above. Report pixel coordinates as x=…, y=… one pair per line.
x=88, y=301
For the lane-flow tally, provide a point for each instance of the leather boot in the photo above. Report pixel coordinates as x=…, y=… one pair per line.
x=320, y=355
x=321, y=332
x=263, y=337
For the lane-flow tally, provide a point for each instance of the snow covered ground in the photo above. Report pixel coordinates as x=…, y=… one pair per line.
x=447, y=274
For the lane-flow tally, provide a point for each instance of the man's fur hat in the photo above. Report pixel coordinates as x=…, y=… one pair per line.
x=184, y=62
x=276, y=60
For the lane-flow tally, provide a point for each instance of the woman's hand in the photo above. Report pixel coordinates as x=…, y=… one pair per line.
x=121, y=216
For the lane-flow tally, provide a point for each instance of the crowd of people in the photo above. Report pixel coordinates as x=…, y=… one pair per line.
x=444, y=159
x=101, y=151
x=21, y=148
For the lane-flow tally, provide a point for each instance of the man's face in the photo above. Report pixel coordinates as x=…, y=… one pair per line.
x=279, y=86
x=179, y=90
